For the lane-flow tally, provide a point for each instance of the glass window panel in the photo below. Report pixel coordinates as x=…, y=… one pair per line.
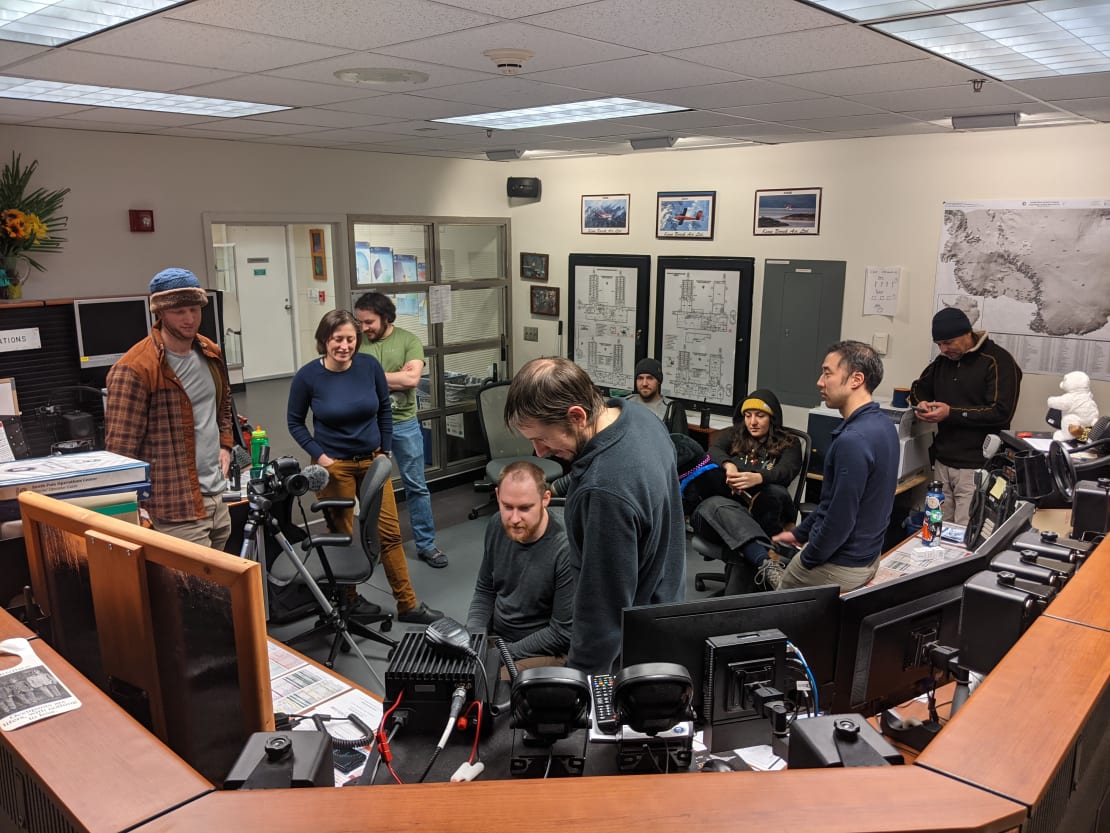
x=465, y=373
x=390, y=253
x=464, y=439
x=427, y=395
x=476, y=315
x=412, y=310
x=472, y=252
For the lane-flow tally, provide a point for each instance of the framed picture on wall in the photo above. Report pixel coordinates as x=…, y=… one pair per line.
x=788, y=211
x=544, y=300
x=685, y=214
x=318, y=254
x=605, y=214
x=533, y=267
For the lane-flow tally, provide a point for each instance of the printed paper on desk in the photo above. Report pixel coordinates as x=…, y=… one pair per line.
x=29, y=691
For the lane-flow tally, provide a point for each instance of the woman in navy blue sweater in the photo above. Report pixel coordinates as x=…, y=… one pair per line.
x=348, y=396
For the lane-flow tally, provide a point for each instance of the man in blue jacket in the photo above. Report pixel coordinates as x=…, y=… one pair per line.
x=624, y=512
x=844, y=536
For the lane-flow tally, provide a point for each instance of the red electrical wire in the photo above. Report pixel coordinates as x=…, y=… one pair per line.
x=477, y=728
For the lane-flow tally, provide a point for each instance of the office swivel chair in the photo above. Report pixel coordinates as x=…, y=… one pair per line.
x=732, y=577
x=504, y=446
x=342, y=564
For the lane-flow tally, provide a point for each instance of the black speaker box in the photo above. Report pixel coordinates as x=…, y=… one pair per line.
x=523, y=186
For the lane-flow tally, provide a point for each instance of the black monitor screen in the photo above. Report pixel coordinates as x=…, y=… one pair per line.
x=853, y=652
x=108, y=327
x=677, y=632
x=210, y=318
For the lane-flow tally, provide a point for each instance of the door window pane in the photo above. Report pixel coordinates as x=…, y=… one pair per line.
x=472, y=252
x=390, y=253
x=475, y=315
x=465, y=373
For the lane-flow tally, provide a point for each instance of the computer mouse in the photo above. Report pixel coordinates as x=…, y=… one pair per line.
x=716, y=765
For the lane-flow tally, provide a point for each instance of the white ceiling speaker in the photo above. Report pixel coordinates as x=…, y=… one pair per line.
x=509, y=61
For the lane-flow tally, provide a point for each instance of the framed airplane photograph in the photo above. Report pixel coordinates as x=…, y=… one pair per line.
x=788, y=211
x=533, y=266
x=544, y=300
x=605, y=214
x=685, y=214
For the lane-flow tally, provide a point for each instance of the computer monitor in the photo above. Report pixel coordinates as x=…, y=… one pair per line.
x=881, y=626
x=211, y=318
x=108, y=327
x=174, y=632
x=677, y=632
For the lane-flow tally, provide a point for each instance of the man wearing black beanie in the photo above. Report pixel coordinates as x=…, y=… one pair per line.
x=649, y=381
x=970, y=390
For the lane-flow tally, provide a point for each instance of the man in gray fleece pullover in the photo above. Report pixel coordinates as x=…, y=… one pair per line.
x=623, y=513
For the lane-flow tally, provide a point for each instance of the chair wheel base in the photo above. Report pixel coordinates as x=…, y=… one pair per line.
x=387, y=626
x=473, y=514
x=699, y=585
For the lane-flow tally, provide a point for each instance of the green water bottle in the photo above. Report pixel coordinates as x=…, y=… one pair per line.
x=258, y=440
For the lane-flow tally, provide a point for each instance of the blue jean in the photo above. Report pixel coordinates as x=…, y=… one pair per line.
x=408, y=454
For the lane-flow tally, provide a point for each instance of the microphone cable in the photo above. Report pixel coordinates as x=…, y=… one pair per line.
x=458, y=699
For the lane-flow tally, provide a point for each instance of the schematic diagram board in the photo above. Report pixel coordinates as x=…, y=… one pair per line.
x=609, y=315
x=703, y=324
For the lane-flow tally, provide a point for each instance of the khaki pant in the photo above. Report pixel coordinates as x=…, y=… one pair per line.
x=849, y=578
x=959, y=488
x=213, y=530
x=344, y=481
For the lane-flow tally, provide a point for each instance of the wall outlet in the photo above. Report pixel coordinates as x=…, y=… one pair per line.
x=531, y=333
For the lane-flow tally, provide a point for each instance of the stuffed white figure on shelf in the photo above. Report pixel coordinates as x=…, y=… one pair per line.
x=1076, y=404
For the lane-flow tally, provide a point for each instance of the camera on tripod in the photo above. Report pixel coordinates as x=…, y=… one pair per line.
x=280, y=479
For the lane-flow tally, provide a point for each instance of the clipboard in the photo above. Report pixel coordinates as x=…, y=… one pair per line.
x=13, y=445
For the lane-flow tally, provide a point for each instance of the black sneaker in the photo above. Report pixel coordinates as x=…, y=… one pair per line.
x=435, y=557
x=363, y=608
x=420, y=615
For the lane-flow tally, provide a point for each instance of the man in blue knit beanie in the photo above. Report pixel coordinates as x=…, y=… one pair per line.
x=169, y=404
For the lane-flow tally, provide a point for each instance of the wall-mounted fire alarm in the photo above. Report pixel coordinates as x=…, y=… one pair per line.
x=141, y=219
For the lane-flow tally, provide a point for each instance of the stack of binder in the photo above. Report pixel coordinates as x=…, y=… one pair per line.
x=100, y=480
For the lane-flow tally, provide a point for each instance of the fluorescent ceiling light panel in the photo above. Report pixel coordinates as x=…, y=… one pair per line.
x=595, y=110
x=1009, y=41
x=30, y=89
x=61, y=21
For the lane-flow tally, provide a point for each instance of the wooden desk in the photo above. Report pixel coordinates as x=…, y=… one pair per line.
x=998, y=765
x=903, y=485
x=93, y=768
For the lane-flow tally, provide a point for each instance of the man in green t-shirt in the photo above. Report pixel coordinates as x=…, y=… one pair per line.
x=402, y=357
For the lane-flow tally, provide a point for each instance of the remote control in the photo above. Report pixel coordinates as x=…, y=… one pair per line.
x=604, y=716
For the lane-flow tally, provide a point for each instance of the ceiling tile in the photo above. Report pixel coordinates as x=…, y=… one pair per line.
x=324, y=72
x=629, y=76
x=130, y=118
x=692, y=120
x=833, y=47
x=906, y=75
x=661, y=25
x=1029, y=108
x=353, y=24
x=852, y=122
x=729, y=94
x=509, y=93
x=1066, y=87
x=264, y=89
x=254, y=126
x=813, y=108
x=12, y=51
x=103, y=70
x=554, y=50
x=408, y=107
x=181, y=42
x=518, y=8
x=18, y=109
x=1092, y=108
x=961, y=95
x=319, y=117
x=105, y=126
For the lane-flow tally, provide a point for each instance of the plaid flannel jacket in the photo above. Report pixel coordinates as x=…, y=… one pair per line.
x=149, y=417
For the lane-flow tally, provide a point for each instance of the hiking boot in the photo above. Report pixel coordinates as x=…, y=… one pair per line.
x=769, y=574
x=435, y=557
x=420, y=615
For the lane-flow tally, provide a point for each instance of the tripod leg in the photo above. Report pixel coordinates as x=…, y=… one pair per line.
x=330, y=614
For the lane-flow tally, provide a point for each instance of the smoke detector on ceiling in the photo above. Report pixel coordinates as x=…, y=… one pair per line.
x=509, y=61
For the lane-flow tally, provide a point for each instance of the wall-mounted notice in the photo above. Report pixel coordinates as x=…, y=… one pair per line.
x=881, y=285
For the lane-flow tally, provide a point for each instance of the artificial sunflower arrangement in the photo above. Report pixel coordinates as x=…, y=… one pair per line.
x=29, y=220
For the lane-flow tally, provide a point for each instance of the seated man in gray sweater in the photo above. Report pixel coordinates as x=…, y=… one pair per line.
x=525, y=587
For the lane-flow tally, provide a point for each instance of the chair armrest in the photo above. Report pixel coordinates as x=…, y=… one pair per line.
x=326, y=541
x=333, y=503
x=482, y=486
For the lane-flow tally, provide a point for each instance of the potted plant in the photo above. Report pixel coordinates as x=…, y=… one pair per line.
x=29, y=224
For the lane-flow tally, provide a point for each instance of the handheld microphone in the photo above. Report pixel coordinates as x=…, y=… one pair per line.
x=317, y=477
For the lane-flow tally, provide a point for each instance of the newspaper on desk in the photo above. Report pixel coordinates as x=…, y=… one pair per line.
x=912, y=555
x=29, y=691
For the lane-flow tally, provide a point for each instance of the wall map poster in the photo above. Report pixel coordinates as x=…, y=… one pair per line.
x=1033, y=273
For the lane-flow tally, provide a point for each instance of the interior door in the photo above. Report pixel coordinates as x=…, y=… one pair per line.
x=265, y=308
